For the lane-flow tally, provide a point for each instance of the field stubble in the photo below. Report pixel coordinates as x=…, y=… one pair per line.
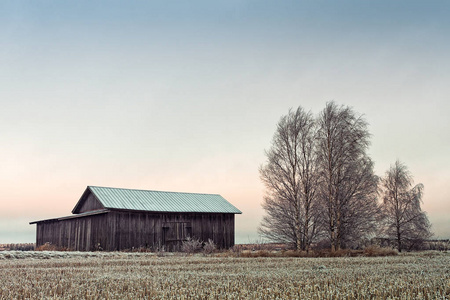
x=146, y=276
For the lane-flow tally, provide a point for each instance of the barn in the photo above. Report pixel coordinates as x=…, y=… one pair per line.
x=121, y=219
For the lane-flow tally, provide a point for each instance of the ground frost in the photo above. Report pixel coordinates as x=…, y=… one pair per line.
x=77, y=275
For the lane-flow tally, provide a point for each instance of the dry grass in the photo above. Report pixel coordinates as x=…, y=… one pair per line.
x=378, y=251
x=50, y=247
x=146, y=276
x=370, y=251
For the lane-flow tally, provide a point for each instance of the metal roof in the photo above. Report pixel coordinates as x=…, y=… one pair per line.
x=157, y=201
x=85, y=214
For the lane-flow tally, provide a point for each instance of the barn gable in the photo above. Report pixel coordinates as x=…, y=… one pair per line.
x=87, y=202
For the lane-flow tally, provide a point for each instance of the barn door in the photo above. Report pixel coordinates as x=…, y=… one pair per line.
x=174, y=233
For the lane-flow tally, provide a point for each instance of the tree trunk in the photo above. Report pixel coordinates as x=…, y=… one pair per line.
x=306, y=233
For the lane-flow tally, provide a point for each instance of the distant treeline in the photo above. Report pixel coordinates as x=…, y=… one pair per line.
x=17, y=247
x=441, y=245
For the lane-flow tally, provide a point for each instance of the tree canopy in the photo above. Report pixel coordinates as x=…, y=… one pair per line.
x=320, y=184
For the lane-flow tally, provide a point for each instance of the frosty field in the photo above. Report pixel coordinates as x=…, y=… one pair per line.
x=98, y=275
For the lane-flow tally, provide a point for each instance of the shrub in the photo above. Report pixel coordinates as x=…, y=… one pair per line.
x=369, y=251
x=257, y=253
x=209, y=247
x=191, y=245
x=294, y=253
x=50, y=247
x=375, y=250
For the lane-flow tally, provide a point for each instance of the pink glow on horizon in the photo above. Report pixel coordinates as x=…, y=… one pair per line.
x=186, y=97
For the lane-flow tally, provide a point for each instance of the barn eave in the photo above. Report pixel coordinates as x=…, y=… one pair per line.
x=81, y=215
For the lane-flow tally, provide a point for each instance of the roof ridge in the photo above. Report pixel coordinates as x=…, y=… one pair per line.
x=142, y=190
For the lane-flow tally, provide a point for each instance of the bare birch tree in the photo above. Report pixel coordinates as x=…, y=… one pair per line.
x=348, y=184
x=290, y=178
x=404, y=220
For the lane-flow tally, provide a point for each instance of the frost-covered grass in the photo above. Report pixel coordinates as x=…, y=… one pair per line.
x=68, y=254
x=116, y=275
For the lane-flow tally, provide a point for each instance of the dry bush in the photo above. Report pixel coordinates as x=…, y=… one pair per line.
x=370, y=251
x=237, y=248
x=234, y=251
x=191, y=245
x=51, y=247
x=375, y=250
x=209, y=247
x=287, y=253
x=265, y=246
x=429, y=253
x=258, y=253
x=293, y=253
x=339, y=253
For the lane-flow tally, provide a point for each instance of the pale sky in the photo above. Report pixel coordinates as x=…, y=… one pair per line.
x=185, y=96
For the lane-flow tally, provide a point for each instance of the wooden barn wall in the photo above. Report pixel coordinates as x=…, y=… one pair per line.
x=91, y=203
x=134, y=229
x=80, y=234
x=118, y=230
